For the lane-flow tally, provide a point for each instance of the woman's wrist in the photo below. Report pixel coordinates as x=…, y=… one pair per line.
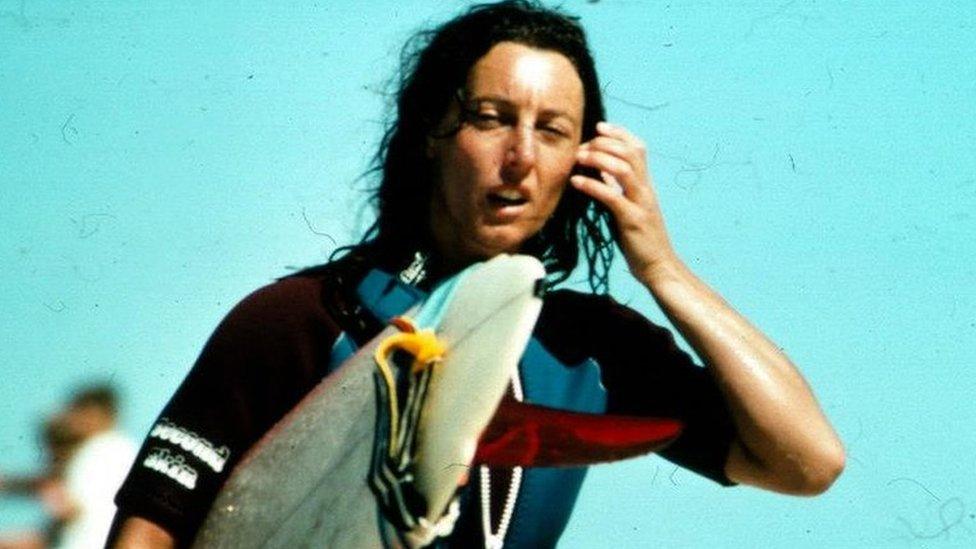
x=654, y=275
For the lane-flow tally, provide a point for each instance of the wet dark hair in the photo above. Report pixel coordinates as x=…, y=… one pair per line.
x=434, y=67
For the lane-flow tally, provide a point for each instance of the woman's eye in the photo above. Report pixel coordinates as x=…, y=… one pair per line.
x=484, y=120
x=554, y=132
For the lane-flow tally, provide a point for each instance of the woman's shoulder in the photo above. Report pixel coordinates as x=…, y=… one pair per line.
x=307, y=295
x=571, y=302
x=596, y=316
x=571, y=321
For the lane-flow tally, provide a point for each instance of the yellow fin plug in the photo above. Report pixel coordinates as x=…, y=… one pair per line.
x=426, y=350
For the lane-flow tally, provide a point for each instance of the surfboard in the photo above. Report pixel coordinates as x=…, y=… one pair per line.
x=306, y=483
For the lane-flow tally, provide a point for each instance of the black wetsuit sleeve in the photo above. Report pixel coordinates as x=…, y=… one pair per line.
x=263, y=358
x=647, y=374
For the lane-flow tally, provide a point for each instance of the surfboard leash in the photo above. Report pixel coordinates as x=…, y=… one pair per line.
x=426, y=351
x=392, y=478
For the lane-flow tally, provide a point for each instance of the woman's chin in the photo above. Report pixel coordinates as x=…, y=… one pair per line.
x=500, y=242
x=484, y=243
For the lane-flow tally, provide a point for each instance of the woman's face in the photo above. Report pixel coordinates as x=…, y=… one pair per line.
x=500, y=177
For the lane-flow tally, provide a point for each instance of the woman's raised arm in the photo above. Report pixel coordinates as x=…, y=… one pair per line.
x=783, y=440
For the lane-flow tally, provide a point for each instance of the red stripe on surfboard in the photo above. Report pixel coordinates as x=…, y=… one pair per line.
x=528, y=435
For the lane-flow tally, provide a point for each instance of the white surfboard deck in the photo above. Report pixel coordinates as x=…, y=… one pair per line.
x=304, y=484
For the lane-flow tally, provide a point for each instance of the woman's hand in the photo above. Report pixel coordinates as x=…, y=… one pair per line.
x=628, y=193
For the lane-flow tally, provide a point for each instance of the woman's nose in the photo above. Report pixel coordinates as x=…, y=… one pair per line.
x=521, y=154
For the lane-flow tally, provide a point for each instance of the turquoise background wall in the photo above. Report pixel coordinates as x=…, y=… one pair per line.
x=815, y=161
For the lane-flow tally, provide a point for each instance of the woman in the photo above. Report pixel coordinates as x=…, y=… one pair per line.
x=499, y=147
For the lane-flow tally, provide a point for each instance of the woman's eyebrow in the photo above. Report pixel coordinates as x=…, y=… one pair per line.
x=494, y=99
x=503, y=101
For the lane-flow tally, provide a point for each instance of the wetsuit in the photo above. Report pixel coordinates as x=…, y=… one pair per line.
x=274, y=347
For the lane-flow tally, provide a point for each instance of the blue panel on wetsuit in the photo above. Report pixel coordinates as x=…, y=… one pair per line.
x=548, y=382
x=385, y=296
x=548, y=494
x=432, y=311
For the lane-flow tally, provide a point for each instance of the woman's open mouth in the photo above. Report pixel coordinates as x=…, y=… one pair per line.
x=506, y=197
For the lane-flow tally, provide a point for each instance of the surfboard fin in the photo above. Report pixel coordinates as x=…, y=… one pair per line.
x=528, y=435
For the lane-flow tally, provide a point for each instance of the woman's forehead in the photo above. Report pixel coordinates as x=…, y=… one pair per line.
x=527, y=76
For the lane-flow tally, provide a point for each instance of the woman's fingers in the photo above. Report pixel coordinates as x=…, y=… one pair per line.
x=610, y=180
x=621, y=157
x=617, y=132
x=624, y=172
x=606, y=162
x=618, y=153
x=611, y=145
x=610, y=196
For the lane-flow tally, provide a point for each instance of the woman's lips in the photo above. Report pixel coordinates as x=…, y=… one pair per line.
x=507, y=197
x=507, y=205
x=499, y=202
